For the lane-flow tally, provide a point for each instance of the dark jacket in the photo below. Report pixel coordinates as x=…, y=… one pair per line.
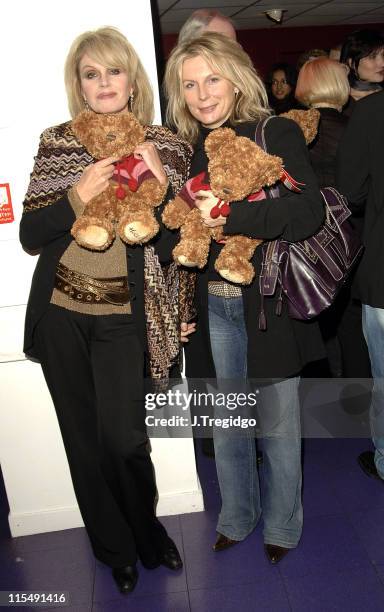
x=361, y=179
x=349, y=107
x=287, y=345
x=48, y=218
x=323, y=149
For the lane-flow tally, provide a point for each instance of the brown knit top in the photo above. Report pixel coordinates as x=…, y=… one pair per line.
x=96, y=264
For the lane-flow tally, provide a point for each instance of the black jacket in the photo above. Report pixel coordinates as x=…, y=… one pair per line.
x=361, y=179
x=287, y=345
x=323, y=149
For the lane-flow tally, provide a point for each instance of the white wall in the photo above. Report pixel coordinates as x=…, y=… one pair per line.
x=32, y=97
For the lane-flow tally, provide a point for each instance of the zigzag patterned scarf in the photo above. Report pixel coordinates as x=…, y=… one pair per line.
x=161, y=302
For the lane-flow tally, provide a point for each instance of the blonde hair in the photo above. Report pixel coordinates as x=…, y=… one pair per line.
x=197, y=22
x=322, y=81
x=110, y=48
x=226, y=58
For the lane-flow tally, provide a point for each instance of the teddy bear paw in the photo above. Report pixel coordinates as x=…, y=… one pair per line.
x=191, y=253
x=93, y=233
x=93, y=237
x=243, y=277
x=183, y=261
x=137, y=232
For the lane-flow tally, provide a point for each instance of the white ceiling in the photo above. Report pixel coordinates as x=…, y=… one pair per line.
x=250, y=15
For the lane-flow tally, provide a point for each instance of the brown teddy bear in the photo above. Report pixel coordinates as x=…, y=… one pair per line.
x=230, y=180
x=133, y=192
x=308, y=120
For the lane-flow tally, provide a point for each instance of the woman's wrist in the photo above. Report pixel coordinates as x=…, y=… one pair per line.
x=80, y=194
x=76, y=201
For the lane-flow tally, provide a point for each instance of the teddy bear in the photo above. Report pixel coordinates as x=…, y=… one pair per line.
x=127, y=205
x=308, y=121
x=230, y=180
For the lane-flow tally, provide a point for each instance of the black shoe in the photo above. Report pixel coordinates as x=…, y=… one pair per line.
x=152, y=564
x=222, y=542
x=275, y=553
x=171, y=558
x=125, y=578
x=367, y=463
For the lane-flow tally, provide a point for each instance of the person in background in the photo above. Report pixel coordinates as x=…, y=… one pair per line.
x=281, y=84
x=211, y=82
x=334, y=53
x=361, y=178
x=206, y=20
x=323, y=84
x=310, y=55
x=363, y=53
x=88, y=312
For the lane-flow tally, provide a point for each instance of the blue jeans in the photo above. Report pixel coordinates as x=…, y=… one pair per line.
x=236, y=456
x=373, y=328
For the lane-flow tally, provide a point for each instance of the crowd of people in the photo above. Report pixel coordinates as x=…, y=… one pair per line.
x=95, y=315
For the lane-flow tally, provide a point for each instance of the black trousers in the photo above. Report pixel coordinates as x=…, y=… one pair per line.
x=93, y=366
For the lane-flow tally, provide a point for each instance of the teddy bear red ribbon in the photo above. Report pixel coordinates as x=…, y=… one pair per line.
x=199, y=183
x=132, y=172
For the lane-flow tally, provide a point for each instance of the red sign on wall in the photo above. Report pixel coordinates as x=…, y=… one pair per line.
x=6, y=211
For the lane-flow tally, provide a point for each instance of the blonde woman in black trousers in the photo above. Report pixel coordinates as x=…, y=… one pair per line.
x=91, y=333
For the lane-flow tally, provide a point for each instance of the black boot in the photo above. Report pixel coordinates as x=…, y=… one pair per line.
x=125, y=578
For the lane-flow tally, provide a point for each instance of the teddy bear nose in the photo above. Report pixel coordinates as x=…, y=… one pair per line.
x=226, y=190
x=111, y=137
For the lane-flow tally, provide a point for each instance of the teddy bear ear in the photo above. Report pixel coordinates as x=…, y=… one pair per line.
x=218, y=138
x=82, y=125
x=307, y=120
x=135, y=132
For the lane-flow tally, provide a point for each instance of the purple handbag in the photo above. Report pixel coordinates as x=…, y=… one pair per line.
x=309, y=273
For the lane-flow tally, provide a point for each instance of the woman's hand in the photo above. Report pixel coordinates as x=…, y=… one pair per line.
x=95, y=179
x=148, y=152
x=185, y=330
x=205, y=201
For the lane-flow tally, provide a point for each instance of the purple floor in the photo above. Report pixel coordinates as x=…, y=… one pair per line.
x=339, y=564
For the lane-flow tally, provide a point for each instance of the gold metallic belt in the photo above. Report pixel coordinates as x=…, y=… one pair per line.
x=223, y=289
x=83, y=288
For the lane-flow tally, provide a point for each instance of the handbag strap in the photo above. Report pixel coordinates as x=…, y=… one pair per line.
x=269, y=273
x=260, y=132
x=271, y=192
